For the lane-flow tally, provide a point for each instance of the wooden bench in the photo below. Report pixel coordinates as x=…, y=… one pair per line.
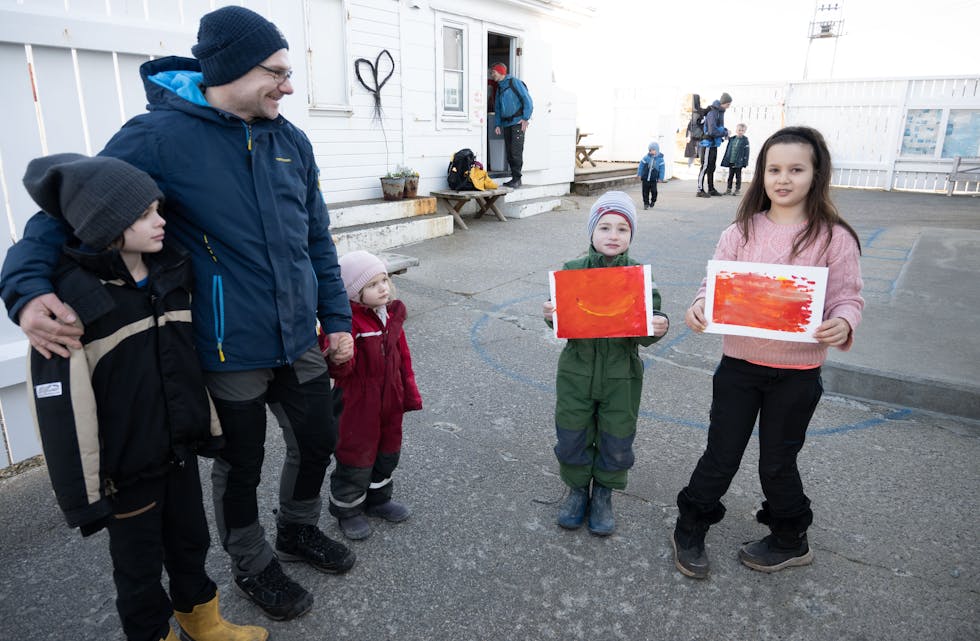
x=455, y=200
x=583, y=154
x=964, y=170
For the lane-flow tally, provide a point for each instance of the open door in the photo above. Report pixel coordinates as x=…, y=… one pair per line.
x=533, y=65
x=501, y=48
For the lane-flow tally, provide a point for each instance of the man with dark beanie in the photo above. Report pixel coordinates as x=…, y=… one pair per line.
x=242, y=194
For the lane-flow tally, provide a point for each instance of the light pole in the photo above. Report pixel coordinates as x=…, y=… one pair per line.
x=827, y=22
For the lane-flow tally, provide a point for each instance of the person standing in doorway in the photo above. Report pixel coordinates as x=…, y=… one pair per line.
x=715, y=133
x=242, y=191
x=512, y=113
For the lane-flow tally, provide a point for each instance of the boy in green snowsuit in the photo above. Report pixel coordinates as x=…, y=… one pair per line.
x=598, y=384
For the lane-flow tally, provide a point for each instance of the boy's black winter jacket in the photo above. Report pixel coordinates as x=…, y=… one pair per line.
x=132, y=401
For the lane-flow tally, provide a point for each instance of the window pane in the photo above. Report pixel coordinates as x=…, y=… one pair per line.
x=328, y=82
x=453, y=98
x=452, y=41
x=921, y=132
x=962, y=134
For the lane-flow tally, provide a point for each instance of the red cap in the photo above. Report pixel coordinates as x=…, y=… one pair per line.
x=500, y=68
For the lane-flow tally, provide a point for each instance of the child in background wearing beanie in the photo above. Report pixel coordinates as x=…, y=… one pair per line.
x=651, y=171
x=377, y=386
x=122, y=420
x=598, y=384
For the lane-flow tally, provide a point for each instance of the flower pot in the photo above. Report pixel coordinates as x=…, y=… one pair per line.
x=393, y=188
x=411, y=186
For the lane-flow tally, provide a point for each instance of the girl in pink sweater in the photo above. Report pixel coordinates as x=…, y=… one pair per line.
x=786, y=217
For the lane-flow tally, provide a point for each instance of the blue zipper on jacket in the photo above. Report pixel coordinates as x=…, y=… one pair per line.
x=218, y=306
x=248, y=134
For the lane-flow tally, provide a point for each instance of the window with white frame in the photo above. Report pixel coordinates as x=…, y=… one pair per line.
x=962, y=134
x=950, y=132
x=326, y=37
x=451, y=62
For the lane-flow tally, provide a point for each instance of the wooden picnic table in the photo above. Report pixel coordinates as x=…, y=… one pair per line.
x=486, y=199
x=583, y=154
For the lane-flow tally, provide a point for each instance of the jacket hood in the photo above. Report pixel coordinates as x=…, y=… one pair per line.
x=175, y=83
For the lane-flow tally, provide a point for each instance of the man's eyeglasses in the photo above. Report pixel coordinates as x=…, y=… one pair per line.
x=281, y=75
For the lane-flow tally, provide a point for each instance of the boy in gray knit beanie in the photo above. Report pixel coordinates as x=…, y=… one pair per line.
x=598, y=384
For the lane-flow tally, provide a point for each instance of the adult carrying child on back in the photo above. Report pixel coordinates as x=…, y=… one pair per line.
x=714, y=133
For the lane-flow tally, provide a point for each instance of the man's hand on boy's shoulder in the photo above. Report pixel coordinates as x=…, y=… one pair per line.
x=51, y=326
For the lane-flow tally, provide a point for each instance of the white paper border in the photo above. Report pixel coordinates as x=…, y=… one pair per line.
x=647, y=300
x=816, y=274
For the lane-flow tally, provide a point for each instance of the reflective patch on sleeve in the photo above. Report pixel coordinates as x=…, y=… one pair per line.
x=47, y=390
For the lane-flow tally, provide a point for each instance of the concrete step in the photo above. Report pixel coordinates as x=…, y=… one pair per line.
x=378, y=236
x=362, y=212
x=590, y=187
x=533, y=192
x=532, y=207
x=531, y=200
x=605, y=171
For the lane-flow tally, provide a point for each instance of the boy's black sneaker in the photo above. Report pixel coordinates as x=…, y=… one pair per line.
x=703, y=194
x=714, y=192
x=296, y=542
x=280, y=597
x=772, y=555
x=690, y=556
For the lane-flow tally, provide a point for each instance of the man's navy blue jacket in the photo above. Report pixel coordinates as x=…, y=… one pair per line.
x=244, y=200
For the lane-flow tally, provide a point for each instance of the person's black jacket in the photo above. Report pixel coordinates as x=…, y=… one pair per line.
x=132, y=401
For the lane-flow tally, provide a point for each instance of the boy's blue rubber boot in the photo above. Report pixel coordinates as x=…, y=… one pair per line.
x=601, y=519
x=571, y=514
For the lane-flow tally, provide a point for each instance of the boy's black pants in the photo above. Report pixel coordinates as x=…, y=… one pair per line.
x=159, y=523
x=784, y=401
x=649, y=192
x=736, y=173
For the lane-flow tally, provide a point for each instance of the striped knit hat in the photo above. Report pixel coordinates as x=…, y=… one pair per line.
x=613, y=202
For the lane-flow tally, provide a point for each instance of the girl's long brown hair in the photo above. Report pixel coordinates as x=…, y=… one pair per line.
x=821, y=213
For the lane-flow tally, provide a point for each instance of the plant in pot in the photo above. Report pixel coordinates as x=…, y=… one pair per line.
x=411, y=181
x=393, y=185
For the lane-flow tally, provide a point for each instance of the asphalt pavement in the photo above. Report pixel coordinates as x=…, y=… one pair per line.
x=890, y=466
